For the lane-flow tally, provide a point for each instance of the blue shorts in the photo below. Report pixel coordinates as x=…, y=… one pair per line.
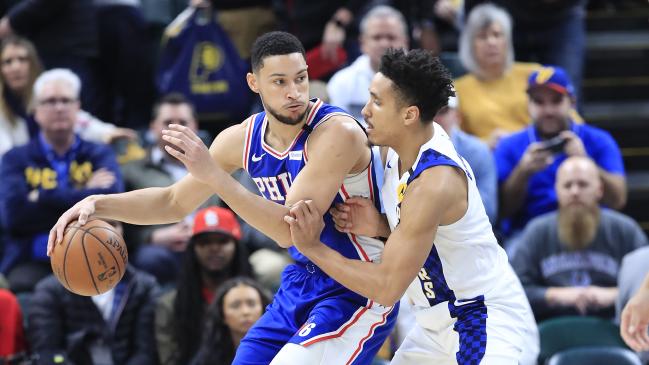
x=311, y=308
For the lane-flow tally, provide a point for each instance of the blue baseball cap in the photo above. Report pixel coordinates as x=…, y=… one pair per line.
x=551, y=77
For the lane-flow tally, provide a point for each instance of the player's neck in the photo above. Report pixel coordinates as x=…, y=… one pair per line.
x=409, y=145
x=280, y=135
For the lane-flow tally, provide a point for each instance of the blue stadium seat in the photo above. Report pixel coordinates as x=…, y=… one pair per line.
x=595, y=356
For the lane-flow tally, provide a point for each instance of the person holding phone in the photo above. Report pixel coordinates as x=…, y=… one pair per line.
x=527, y=161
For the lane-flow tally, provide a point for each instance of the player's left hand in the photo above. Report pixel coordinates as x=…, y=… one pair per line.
x=306, y=224
x=187, y=147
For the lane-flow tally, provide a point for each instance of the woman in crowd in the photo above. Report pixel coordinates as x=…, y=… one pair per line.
x=493, y=98
x=238, y=303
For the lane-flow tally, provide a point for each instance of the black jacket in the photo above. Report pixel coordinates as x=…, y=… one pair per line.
x=58, y=27
x=61, y=322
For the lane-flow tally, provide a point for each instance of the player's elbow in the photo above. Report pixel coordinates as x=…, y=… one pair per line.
x=388, y=299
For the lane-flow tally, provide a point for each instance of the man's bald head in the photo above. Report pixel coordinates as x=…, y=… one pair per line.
x=578, y=181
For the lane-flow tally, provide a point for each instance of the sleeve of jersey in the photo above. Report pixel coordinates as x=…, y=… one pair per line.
x=431, y=158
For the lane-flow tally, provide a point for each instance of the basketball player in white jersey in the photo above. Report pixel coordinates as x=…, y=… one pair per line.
x=469, y=306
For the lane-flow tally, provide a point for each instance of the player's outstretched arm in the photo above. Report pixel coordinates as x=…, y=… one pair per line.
x=426, y=205
x=635, y=319
x=334, y=149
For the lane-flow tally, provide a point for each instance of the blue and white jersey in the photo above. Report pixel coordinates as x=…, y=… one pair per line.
x=466, y=263
x=274, y=171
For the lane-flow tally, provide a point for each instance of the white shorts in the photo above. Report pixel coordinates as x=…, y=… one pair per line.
x=507, y=336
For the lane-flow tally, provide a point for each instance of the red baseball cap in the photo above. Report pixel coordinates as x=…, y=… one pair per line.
x=216, y=219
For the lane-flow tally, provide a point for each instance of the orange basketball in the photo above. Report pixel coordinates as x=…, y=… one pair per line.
x=91, y=259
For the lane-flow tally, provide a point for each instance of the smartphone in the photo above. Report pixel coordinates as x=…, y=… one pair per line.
x=554, y=145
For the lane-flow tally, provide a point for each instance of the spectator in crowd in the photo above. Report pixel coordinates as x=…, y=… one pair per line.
x=633, y=297
x=324, y=28
x=213, y=256
x=527, y=161
x=492, y=95
x=112, y=328
x=160, y=247
x=548, y=32
x=237, y=304
x=381, y=28
x=43, y=178
x=12, y=335
x=476, y=153
x=568, y=261
x=19, y=69
x=65, y=35
x=126, y=64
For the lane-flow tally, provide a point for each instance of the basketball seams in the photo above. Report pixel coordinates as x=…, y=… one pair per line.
x=65, y=256
x=108, y=248
x=85, y=256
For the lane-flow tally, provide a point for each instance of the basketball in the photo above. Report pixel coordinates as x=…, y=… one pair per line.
x=91, y=259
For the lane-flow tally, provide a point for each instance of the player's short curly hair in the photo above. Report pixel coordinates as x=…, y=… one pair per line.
x=274, y=44
x=419, y=79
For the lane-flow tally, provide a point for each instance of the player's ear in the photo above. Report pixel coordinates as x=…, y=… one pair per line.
x=410, y=115
x=251, y=78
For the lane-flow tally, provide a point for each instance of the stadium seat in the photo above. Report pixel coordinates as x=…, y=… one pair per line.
x=595, y=356
x=563, y=333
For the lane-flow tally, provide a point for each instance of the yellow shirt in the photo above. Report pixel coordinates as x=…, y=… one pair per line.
x=496, y=104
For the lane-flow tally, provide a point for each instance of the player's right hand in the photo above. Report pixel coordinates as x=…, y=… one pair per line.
x=357, y=215
x=634, y=323
x=80, y=211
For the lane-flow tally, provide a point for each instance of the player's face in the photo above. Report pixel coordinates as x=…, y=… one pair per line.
x=15, y=67
x=550, y=110
x=214, y=251
x=242, y=307
x=490, y=47
x=578, y=184
x=381, y=34
x=283, y=85
x=56, y=110
x=382, y=111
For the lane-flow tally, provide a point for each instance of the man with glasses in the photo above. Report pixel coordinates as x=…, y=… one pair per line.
x=51, y=173
x=383, y=27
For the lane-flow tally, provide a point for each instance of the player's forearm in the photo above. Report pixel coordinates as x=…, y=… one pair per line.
x=615, y=193
x=361, y=277
x=265, y=215
x=513, y=192
x=143, y=207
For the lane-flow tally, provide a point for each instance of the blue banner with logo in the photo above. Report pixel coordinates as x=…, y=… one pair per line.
x=199, y=60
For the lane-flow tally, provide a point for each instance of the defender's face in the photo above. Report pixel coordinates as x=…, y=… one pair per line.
x=283, y=85
x=382, y=111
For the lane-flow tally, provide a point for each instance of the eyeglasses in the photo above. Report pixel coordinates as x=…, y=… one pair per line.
x=52, y=102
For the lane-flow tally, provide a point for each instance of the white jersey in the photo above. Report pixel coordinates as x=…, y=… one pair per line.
x=469, y=305
x=466, y=261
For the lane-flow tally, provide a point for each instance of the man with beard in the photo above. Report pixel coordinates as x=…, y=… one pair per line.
x=568, y=260
x=214, y=255
x=527, y=161
x=295, y=149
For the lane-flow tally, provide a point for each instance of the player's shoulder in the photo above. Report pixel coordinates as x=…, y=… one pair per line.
x=229, y=144
x=339, y=128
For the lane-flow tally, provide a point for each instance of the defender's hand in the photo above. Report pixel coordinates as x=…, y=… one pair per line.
x=306, y=224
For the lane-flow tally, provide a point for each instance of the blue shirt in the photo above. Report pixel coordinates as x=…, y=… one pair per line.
x=541, y=196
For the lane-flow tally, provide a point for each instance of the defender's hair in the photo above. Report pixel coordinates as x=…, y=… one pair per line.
x=419, y=79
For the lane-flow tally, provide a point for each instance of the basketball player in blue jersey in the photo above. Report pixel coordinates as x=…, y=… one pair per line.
x=469, y=306
x=296, y=149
